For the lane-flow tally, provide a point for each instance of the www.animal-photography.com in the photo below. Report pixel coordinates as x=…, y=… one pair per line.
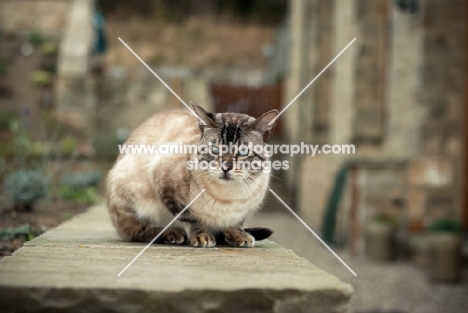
x=234, y=156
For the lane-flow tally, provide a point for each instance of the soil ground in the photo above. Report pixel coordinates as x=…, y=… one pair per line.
x=46, y=215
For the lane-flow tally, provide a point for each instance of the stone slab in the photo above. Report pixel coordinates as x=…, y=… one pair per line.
x=74, y=268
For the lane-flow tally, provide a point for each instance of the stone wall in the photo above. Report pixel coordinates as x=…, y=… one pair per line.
x=444, y=98
x=47, y=16
x=317, y=100
x=397, y=93
x=370, y=77
x=107, y=108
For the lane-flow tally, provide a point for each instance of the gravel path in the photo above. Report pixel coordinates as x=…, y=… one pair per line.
x=379, y=287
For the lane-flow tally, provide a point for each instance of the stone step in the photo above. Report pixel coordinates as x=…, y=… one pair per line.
x=74, y=268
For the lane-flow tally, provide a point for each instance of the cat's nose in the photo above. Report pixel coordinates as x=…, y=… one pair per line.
x=227, y=167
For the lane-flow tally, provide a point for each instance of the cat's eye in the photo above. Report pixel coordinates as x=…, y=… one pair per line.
x=243, y=152
x=214, y=150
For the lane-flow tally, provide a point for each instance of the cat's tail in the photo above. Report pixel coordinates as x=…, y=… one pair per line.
x=259, y=233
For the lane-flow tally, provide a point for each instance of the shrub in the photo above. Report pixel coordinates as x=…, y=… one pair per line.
x=4, y=65
x=49, y=48
x=23, y=232
x=446, y=225
x=87, y=195
x=82, y=180
x=384, y=219
x=7, y=118
x=35, y=38
x=42, y=78
x=26, y=187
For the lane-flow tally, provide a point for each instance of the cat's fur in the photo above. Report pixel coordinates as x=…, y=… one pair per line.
x=145, y=192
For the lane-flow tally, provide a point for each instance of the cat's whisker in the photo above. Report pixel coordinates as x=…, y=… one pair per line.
x=243, y=186
x=252, y=181
x=210, y=177
x=200, y=175
x=271, y=175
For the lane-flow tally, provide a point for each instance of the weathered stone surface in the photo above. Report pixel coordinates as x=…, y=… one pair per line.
x=74, y=268
x=47, y=16
x=77, y=40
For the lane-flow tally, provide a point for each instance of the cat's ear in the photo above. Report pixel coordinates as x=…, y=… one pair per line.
x=204, y=116
x=262, y=124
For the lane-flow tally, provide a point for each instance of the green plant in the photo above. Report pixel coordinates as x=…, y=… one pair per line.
x=6, y=118
x=4, y=65
x=68, y=145
x=49, y=48
x=446, y=225
x=67, y=216
x=41, y=78
x=35, y=38
x=22, y=143
x=90, y=178
x=87, y=195
x=26, y=187
x=23, y=232
x=384, y=219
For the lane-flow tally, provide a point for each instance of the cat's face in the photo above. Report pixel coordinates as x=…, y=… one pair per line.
x=233, y=146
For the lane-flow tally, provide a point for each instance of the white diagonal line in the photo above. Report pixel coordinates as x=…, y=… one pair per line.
x=161, y=80
x=311, y=82
x=313, y=233
x=152, y=241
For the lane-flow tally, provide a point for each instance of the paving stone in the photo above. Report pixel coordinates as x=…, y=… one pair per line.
x=74, y=268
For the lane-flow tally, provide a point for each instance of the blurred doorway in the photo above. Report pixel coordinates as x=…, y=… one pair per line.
x=253, y=101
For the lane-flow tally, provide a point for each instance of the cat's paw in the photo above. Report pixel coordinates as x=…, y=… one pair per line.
x=203, y=240
x=173, y=236
x=237, y=237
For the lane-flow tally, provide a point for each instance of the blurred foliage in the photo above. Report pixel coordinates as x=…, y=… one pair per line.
x=446, y=225
x=25, y=150
x=25, y=163
x=257, y=11
x=23, y=147
x=7, y=118
x=67, y=216
x=384, y=219
x=4, y=65
x=49, y=48
x=272, y=11
x=35, y=38
x=23, y=232
x=68, y=145
x=83, y=179
x=157, y=60
x=42, y=78
x=49, y=65
x=26, y=187
x=88, y=195
x=138, y=7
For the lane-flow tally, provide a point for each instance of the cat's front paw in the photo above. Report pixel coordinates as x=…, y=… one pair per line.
x=173, y=236
x=202, y=240
x=237, y=237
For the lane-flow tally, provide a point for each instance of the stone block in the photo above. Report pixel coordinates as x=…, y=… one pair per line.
x=416, y=202
x=439, y=203
x=431, y=171
x=74, y=268
x=75, y=47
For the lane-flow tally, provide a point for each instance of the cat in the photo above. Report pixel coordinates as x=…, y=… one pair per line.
x=146, y=191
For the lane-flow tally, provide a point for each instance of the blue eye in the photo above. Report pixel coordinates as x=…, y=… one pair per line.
x=214, y=150
x=243, y=152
